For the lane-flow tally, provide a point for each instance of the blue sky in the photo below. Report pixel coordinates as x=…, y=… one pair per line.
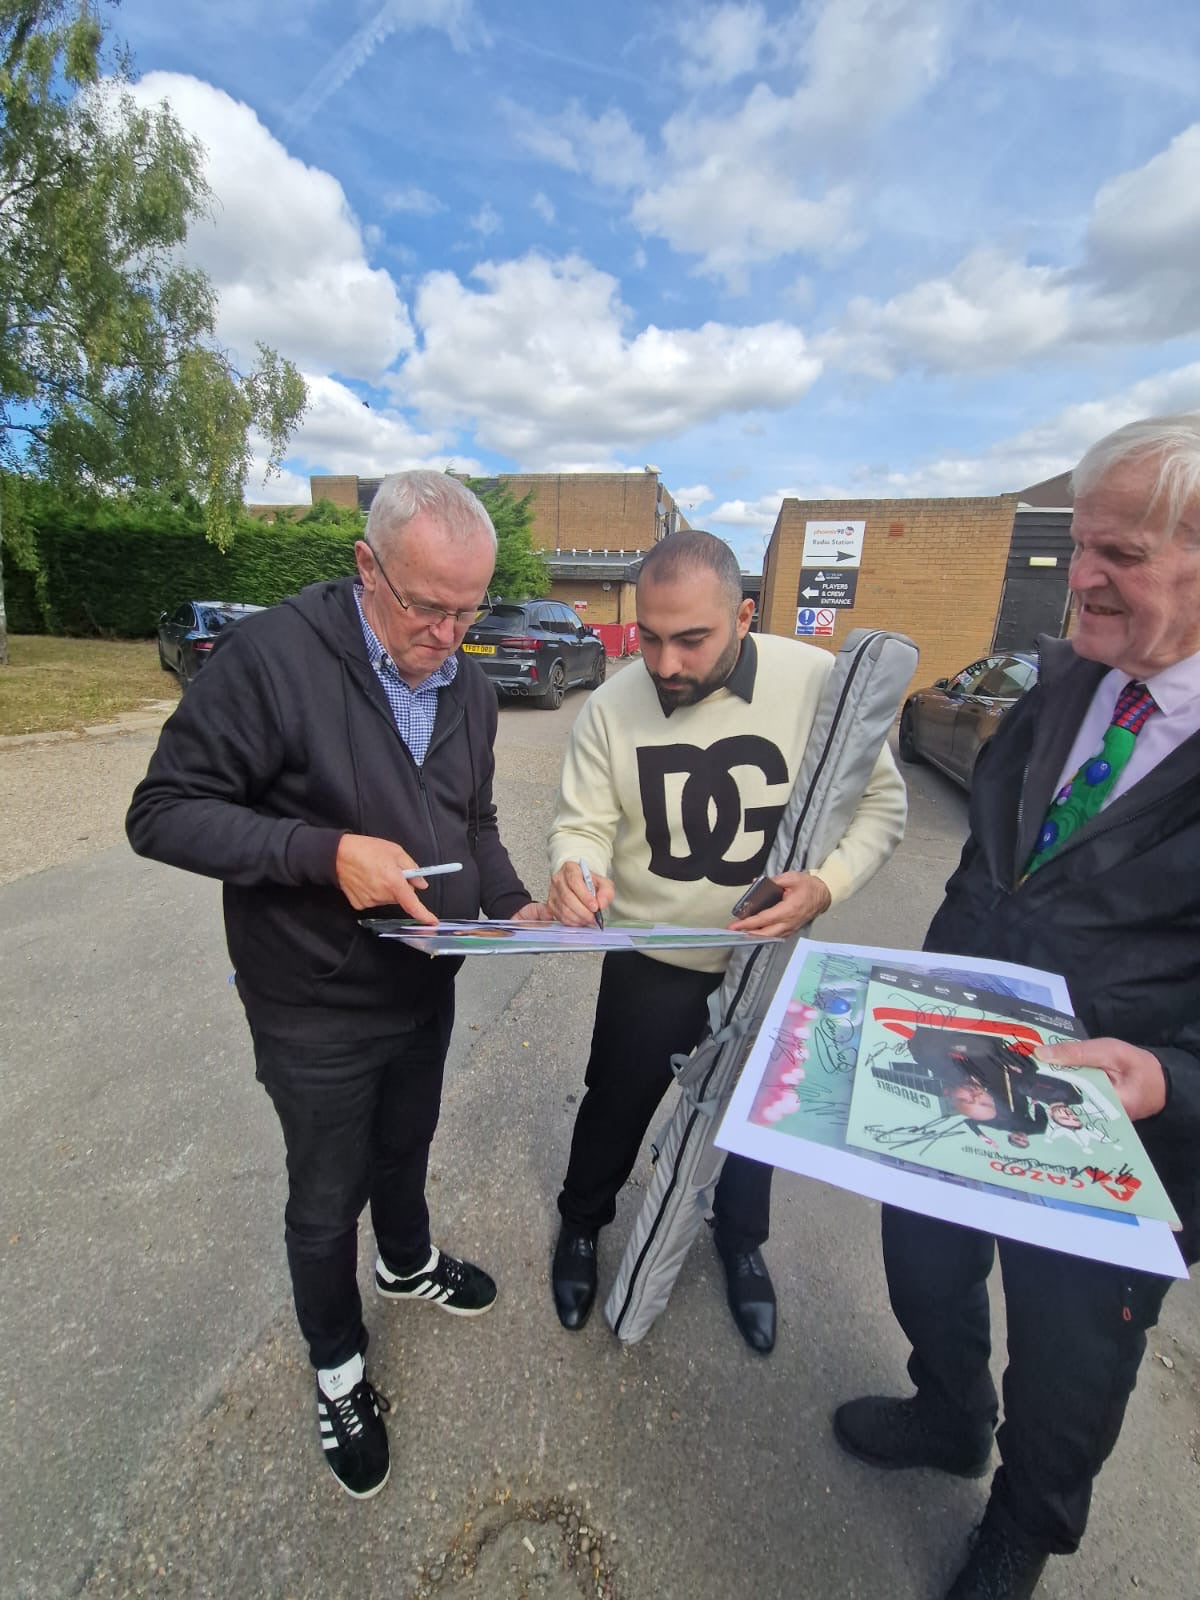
x=852, y=247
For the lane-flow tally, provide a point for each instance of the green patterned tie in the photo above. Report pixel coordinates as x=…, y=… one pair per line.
x=1078, y=802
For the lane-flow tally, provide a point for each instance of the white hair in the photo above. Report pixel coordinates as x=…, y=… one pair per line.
x=457, y=510
x=1172, y=442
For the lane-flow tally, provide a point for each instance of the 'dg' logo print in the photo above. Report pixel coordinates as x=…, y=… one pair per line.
x=710, y=807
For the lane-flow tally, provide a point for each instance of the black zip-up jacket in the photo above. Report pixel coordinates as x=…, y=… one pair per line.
x=1116, y=911
x=284, y=743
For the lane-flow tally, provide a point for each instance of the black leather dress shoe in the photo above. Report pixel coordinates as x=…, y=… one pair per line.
x=751, y=1297
x=573, y=1275
x=1004, y=1563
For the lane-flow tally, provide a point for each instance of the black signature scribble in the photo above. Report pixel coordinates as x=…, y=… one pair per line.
x=835, y=1045
x=924, y=1134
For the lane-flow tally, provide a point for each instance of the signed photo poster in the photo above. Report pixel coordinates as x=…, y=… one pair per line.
x=907, y=1076
x=947, y=1078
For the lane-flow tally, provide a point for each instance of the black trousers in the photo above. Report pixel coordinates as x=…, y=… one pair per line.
x=1076, y=1334
x=647, y=1011
x=358, y=1118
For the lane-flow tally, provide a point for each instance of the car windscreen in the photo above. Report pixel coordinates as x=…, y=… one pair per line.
x=501, y=619
x=214, y=618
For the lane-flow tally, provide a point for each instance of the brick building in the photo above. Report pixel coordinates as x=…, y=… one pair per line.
x=961, y=577
x=592, y=526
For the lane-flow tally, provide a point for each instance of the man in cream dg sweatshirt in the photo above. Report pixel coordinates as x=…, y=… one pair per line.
x=675, y=777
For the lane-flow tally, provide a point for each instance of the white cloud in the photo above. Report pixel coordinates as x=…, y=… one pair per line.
x=536, y=357
x=413, y=199
x=486, y=220
x=1027, y=457
x=1143, y=239
x=339, y=434
x=719, y=44
x=285, y=488
x=870, y=60
x=1136, y=282
x=692, y=498
x=757, y=514
x=283, y=248
x=734, y=213
x=452, y=17
x=989, y=312
x=777, y=174
x=607, y=148
x=543, y=206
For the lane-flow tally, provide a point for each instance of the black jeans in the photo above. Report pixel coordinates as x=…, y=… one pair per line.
x=1076, y=1335
x=357, y=1122
x=646, y=1012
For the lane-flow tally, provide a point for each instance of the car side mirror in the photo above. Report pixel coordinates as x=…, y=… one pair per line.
x=942, y=683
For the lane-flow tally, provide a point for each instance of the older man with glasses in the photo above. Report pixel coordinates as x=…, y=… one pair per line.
x=333, y=744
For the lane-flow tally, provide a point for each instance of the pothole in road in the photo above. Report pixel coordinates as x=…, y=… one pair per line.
x=536, y=1550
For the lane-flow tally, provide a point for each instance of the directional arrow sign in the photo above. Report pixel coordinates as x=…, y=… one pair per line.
x=833, y=543
x=821, y=590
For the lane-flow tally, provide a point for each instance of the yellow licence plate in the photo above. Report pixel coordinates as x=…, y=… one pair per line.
x=479, y=649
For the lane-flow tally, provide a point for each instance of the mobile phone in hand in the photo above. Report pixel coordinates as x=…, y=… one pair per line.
x=763, y=892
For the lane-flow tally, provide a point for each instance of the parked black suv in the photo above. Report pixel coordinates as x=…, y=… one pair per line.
x=539, y=649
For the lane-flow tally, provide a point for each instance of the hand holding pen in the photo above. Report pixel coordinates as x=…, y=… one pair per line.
x=591, y=889
x=578, y=898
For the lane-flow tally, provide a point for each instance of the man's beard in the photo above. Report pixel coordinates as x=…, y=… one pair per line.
x=680, y=691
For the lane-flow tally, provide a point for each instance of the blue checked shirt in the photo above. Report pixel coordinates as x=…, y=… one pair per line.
x=412, y=709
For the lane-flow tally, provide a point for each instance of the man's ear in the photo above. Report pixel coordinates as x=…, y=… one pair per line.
x=745, y=615
x=364, y=560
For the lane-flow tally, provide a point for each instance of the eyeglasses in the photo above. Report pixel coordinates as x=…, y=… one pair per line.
x=433, y=615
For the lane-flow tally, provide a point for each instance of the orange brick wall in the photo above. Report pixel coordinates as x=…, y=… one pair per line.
x=571, y=510
x=603, y=605
x=591, y=510
x=343, y=490
x=933, y=569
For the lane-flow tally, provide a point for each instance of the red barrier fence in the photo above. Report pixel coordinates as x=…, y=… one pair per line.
x=618, y=638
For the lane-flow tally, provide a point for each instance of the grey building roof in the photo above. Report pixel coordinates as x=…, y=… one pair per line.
x=1054, y=492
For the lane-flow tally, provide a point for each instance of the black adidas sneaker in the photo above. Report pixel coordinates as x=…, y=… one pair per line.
x=456, y=1286
x=353, y=1436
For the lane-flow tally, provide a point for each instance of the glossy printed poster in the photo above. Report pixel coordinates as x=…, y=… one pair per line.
x=512, y=938
x=792, y=1104
x=947, y=1078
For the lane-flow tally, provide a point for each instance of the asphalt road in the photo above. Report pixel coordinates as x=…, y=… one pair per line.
x=159, y=1436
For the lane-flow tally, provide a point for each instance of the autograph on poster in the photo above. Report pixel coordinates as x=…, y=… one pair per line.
x=914, y=1078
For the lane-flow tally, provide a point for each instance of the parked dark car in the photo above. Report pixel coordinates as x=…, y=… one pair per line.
x=538, y=649
x=187, y=634
x=949, y=724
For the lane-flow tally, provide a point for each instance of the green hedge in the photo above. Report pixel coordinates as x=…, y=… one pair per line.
x=117, y=581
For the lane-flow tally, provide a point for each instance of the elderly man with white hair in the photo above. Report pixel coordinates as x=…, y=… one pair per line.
x=332, y=745
x=1083, y=858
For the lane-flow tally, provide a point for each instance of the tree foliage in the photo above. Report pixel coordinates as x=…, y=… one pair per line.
x=521, y=568
x=110, y=374
x=334, y=519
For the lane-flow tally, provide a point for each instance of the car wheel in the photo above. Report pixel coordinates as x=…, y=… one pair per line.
x=181, y=669
x=162, y=660
x=556, y=688
x=905, y=742
x=599, y=670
